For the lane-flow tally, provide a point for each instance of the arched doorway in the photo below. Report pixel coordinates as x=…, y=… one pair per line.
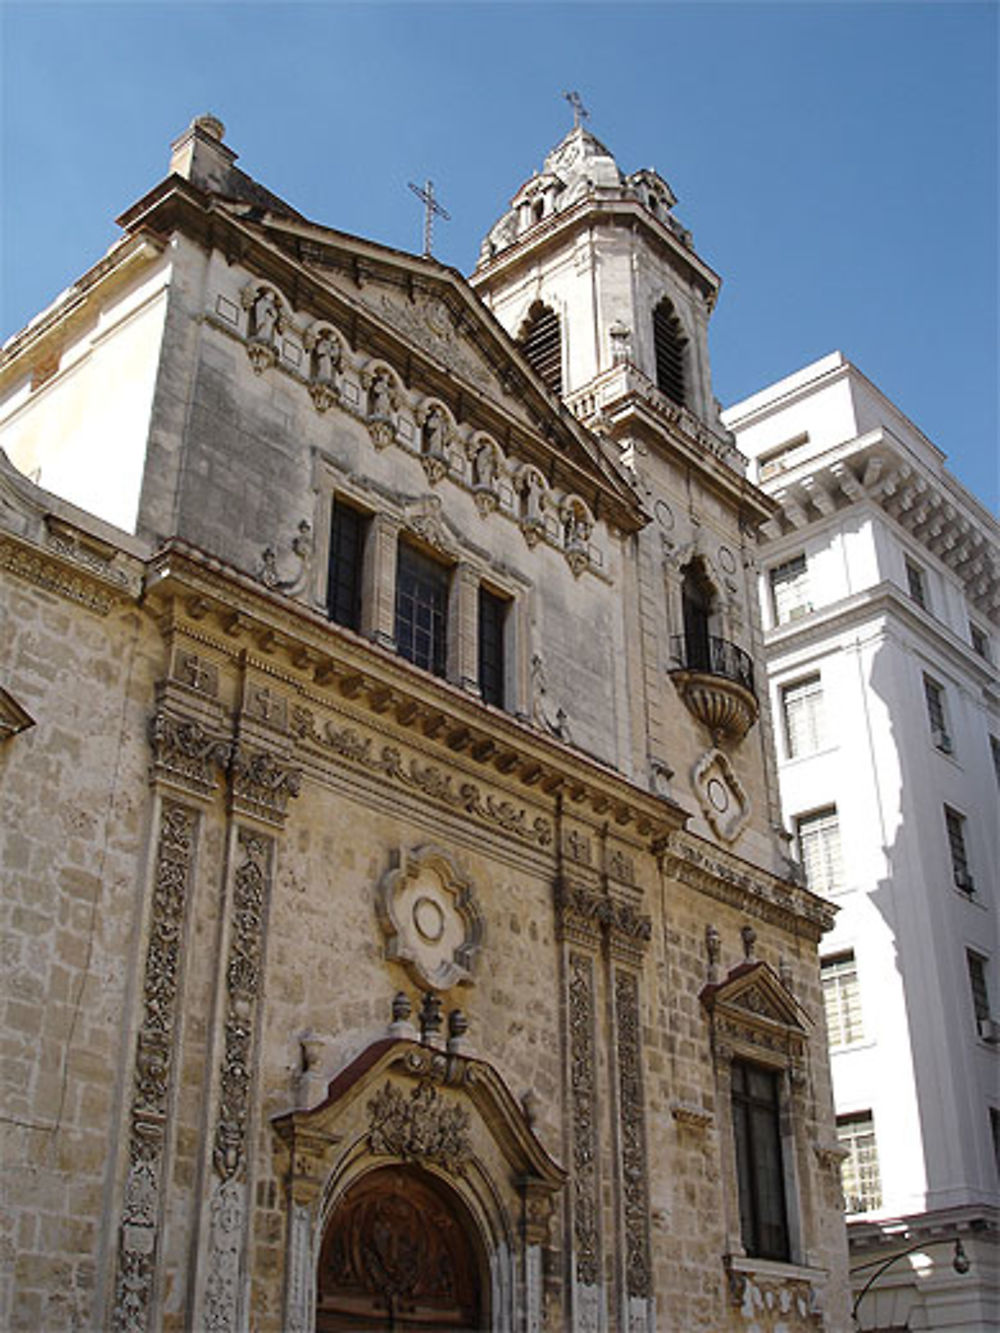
x=400, y=1253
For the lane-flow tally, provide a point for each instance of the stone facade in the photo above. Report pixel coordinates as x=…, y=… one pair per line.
x=284, y=909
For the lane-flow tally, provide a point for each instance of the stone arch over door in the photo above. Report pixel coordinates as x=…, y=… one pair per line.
x=401, y=1251
x=448, y=1126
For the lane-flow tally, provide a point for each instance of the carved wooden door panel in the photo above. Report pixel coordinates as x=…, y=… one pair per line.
x=400, y=1253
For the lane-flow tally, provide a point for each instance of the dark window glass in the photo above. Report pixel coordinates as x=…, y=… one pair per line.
x=668, y=343
x=955, y=825
x=421, y=610
x=915, y=583
x=977, y=984
x=347, y=543
x=492, y=614
x=696, y=601
x=756, y=1123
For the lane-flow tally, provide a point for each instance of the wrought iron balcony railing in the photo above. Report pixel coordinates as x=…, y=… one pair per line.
x=715, y=680
x=717, y=657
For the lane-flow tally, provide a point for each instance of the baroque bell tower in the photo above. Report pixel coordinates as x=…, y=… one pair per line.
x=600, y=284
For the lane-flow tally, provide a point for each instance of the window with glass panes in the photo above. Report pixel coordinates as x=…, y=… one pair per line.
x=759, y=1165
x=841, y=999
x=955, y=824
x=790, y=590
x=859, y=1173
x=995, y=752
x=422, y=609
x=980, y=641
x=916, y=583
x=492, y=618
x=977, y=984
x=348, y=528
x=934, y=697
x=802, y=710
x=819, y=849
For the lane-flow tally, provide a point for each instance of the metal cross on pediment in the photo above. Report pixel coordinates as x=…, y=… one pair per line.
x=431, y=208
x=580, y=112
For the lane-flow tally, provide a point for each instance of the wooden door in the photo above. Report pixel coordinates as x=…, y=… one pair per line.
x=400, y=1253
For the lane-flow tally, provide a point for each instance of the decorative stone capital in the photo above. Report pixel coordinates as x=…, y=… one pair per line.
x=262, y=785
x=186, y=755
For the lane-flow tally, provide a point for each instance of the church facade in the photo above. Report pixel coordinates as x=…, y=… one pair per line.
x=401, y=929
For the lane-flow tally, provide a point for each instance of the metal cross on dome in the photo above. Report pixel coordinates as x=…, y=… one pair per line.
x=580, y=112
x=431, y=207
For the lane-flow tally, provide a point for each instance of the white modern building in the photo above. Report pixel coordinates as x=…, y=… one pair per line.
x=881, y=604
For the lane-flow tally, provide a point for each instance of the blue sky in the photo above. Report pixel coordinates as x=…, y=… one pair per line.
x=836, y=162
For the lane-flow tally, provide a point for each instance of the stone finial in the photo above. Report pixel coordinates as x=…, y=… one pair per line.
x=749, y=938
x=430, y=1019
x=713, y=947
x=458, y=1026
x=211, y=125
x=401, y=1007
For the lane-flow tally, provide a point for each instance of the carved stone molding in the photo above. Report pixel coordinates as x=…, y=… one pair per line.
x=586, y=914
x=186, y=754
x=262, y=784
x=64, y=576
x=228, y=1206
x=154, y=1059
x=635, y=1189
x=728, y=879
x=754, y=1015
x=420, y=1127
x=388, y=762
x=691, y=1116
x=583, y=1098
x=430, y=918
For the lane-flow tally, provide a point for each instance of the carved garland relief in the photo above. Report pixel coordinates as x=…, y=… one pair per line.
x=583, y=1093
x=633, y=1135
x=228, y=1204
x=154, y=1058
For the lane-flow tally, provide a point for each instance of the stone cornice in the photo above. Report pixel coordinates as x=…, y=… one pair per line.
x=721, y=875
x=73, y=568
x=187, y=588
x=933, y=509
x=554, y=233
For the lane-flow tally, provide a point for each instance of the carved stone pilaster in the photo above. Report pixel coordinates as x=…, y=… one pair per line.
x=583, y=1105
x=229, y=1196
x=632, y=1142
x=154, y=1059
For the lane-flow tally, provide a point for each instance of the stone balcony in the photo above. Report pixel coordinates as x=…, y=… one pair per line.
x=715, y=679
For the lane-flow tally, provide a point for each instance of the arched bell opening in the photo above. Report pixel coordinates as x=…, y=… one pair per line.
x=401, y=1251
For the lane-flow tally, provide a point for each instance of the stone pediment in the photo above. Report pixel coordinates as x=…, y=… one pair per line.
x=435, y=313
x=754, y=998
x=406, y=1101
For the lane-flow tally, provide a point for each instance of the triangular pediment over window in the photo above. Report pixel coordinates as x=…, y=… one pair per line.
x=755, y=1009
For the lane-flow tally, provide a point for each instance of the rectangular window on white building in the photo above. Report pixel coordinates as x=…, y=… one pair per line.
x=995, y=1131
x=841, y=999
x=819, y=850
x=995, y=752
x=934, y=696
x=980, y=992
x=955, y=824
x=790, y=590
x=916, y=582
x=980, y=641
x=802, y=711
x=859, y=1171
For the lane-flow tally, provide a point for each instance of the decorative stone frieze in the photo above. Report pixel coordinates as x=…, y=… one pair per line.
x=724, y=877
x=228, y=1205
x=138, y=1237
x=583, y=1096
x=586, y=914
x=635, y=1188
x=262, y=784
x=419, y=1127
x=390, y=762
x=61, y=575
x=430, y=918
x=186, y=754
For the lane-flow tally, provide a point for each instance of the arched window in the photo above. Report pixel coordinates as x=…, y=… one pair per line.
x=669, y=344
x=697, y=599
x=541, y=342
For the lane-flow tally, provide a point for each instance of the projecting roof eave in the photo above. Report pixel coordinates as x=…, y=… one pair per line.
x=553, y=232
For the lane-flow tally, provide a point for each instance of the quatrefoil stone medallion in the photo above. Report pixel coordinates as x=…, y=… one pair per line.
x=430, y=919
